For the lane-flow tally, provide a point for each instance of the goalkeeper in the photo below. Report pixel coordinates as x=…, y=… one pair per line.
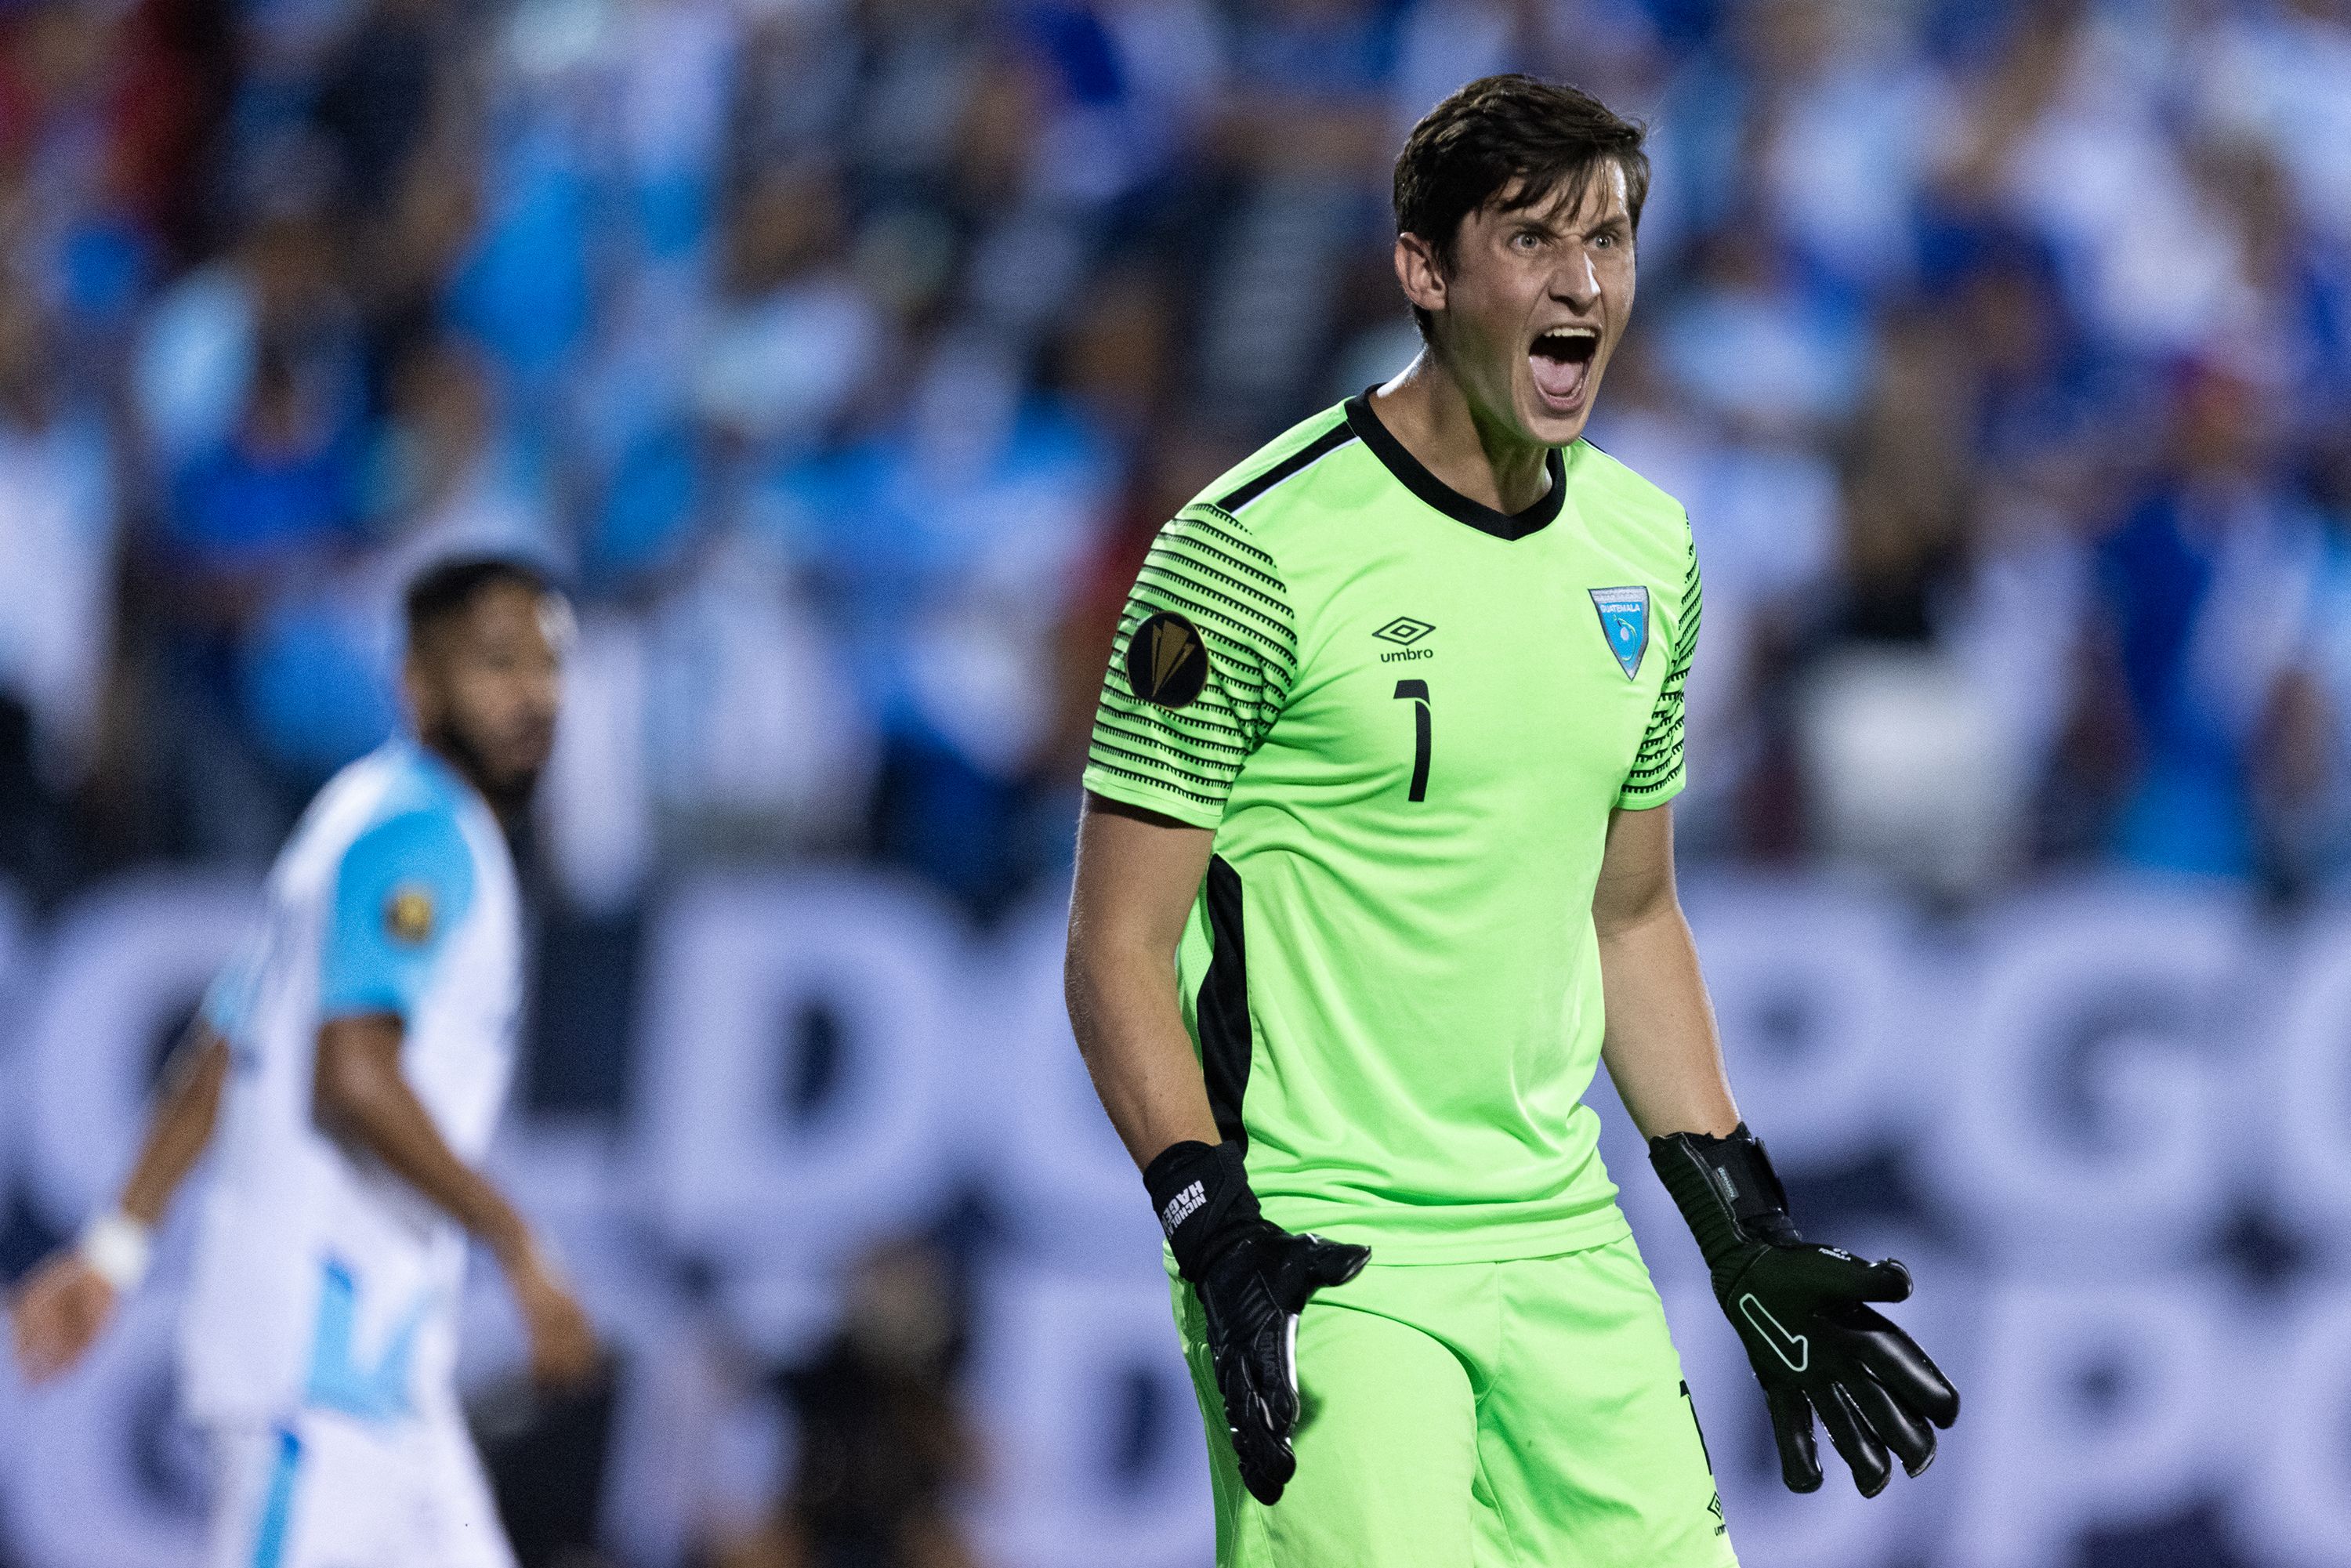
x=1376, y=866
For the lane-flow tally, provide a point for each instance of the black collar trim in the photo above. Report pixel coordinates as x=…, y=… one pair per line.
x=1298, y=462
x=1416, y=478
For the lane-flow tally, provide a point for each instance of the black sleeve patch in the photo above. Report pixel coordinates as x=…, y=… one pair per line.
x=1166, y=662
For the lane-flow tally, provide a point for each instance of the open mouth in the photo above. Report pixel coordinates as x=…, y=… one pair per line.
x=1562, y=359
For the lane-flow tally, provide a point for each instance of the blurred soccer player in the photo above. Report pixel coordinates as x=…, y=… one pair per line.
x=354, y=1060
x=1379, y=782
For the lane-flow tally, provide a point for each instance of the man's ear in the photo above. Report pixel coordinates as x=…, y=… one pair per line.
x=1416, y=269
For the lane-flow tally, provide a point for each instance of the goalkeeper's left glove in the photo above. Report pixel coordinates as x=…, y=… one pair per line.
x=1799, y=1311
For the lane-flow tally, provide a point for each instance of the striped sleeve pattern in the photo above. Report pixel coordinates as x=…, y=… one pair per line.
x=1182, y=760
x=1657, y=776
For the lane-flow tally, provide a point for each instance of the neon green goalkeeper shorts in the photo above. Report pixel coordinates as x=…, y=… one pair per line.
x=1515, y=1414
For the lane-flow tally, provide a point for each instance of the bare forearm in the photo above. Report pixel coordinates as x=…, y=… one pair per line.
x=1122, y=1011
x=181, y=1127
x=1661, y=1048
x=361, y=1098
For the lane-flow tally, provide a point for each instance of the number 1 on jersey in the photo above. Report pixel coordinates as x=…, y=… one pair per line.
x=1418, y=692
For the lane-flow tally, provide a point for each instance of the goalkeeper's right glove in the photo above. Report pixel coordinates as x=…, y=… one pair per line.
x=1252, y=1278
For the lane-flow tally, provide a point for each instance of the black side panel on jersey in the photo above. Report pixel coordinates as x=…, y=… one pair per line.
x=1222, y=1012
x=1306, y=456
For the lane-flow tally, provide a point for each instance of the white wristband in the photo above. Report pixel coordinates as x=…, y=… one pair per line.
x=117, y=1249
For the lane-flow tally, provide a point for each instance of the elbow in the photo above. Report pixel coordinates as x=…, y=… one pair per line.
x=1093, y=982
x=1078, y=993
x=206, y=1070
x=329, y=1098
x=1616, y=920
x=1116, y=994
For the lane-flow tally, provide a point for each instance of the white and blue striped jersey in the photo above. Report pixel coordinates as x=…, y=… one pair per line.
x=322, y=1279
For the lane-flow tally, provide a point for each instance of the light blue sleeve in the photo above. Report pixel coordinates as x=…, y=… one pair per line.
x=402, y=887
x=229, y=1000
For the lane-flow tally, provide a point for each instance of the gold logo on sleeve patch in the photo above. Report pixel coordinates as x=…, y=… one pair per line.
x=408, y=913
x=1166, y=662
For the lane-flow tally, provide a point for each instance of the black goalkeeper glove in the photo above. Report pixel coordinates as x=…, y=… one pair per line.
x=1799, y=1311
x=1252, y=1278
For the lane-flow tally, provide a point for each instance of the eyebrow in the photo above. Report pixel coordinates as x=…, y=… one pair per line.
x=1558, y=214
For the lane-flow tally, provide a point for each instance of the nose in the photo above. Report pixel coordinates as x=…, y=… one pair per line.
x=1576, y=282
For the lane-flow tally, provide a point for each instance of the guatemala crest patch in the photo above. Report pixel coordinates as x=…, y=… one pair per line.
x=1624, y=622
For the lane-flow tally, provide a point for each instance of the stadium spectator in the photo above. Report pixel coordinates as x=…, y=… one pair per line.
x=880, y=321
x=885, y=1438
x=57, y=545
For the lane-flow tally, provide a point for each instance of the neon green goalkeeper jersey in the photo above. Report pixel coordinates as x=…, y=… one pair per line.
x=1406, y=717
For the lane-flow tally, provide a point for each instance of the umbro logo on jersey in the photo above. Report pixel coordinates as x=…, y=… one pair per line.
x=1624, y=622
x=1166, y=662
x=1404, y=631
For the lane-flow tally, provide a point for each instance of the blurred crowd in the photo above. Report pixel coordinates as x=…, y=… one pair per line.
x=844, y=354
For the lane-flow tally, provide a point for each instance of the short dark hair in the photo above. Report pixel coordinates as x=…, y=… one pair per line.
x=447, y=589
x=1470, y=150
